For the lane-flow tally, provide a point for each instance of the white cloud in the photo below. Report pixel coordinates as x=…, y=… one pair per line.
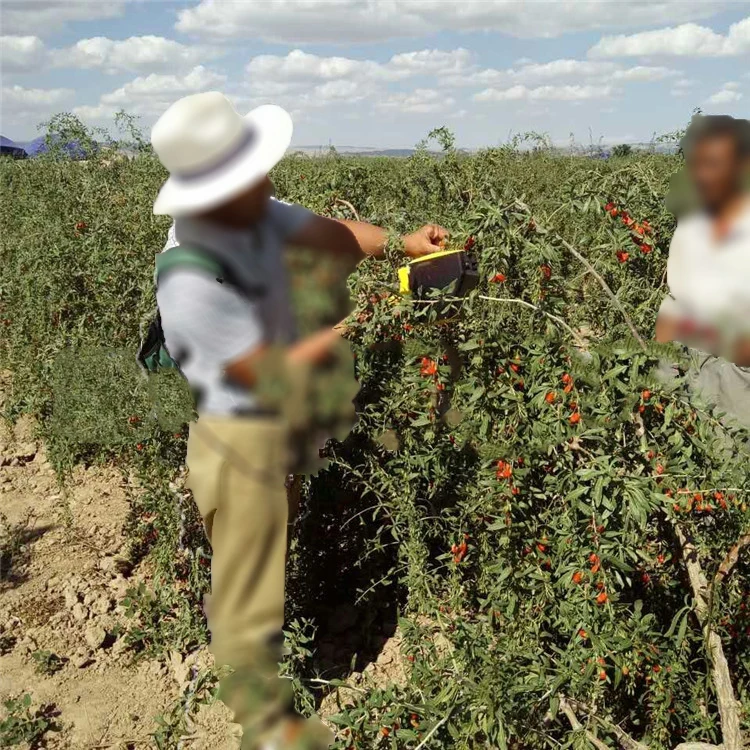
x=643, y=73
x=431, y=62
x=307, y=81
x=273, y=75
x=363, y=21
x=44, y=16
x=419, y=101
x=687, y=40
x=151, y=95
x=725, y=96
x=301, y=67
x=576, y=71
x=25, y=103
x=25, y=54
x=21, y=54
x=135, y=54
x=728, y=94
x=155, y=85
x=545, y=93
x=300, y=79
x=336, y=91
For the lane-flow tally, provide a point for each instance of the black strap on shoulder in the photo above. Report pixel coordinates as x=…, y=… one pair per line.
x=182, y=256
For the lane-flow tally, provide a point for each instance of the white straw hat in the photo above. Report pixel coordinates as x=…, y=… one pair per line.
x=212, y=153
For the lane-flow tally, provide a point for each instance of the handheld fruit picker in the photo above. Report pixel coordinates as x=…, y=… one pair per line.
x=440, y=281
x=423, y=277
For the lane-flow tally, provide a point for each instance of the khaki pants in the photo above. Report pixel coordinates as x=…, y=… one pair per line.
x=237, y=469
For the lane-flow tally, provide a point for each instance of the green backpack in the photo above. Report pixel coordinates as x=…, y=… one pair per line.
x=153, y=355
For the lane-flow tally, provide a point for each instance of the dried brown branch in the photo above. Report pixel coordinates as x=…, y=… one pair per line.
x=725, y=698
x=731, y=558
x=625, y=740
x=607, y=291
x=576, y=725
x=349, y=206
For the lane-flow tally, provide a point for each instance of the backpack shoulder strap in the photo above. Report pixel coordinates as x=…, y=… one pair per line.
x=186, y=257
x=183, y=256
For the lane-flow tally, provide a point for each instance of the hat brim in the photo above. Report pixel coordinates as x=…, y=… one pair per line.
x=273, y=127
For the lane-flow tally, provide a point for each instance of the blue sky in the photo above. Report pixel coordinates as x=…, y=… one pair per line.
x=382, y=73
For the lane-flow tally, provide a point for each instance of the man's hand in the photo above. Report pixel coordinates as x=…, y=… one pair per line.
x=428, y=239
x=352, y=239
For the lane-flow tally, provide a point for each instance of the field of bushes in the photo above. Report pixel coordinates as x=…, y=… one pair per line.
x=558, y=534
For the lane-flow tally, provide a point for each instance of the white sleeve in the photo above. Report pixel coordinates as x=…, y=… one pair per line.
x=288, y=218
x=211, y=321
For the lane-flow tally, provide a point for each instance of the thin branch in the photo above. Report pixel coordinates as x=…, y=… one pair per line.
x=731, y=559
x=626, y=741
x=725, y=698
x=555, y=318
x=607, y=290
x=698, y=746
x=432, y=731
x=576, y=725
x=349, y=206
x=329, y=683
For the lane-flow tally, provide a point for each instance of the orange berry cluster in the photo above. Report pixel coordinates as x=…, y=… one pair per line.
x=459, y=550
x=641, y=233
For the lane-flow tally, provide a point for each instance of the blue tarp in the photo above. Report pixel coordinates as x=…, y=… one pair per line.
x=38, y=146
x=11, y=148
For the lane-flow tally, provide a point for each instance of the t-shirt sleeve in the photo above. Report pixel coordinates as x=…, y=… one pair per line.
x=288, y=218
x=205, y=319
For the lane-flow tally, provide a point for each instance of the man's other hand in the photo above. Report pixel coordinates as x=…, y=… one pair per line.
x=428, y=239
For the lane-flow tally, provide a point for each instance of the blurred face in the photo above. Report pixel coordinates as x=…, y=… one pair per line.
x=245, y=209
x=716, y=170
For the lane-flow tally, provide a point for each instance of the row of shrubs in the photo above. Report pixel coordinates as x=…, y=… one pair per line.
x=520, y=486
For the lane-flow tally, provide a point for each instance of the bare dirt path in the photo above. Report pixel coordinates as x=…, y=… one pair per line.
x=63, y=578
x=61, y=591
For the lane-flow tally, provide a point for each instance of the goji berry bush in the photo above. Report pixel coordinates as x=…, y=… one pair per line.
x=561, y=531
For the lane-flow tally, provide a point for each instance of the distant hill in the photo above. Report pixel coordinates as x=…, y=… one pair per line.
x=659, y=148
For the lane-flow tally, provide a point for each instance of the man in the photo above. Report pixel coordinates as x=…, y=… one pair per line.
x=708, y=272
x=226, y=340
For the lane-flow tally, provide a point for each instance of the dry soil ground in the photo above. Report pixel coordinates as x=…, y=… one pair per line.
x=61, y=591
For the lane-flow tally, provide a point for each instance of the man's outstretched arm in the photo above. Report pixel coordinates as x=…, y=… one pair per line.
x=354, y=239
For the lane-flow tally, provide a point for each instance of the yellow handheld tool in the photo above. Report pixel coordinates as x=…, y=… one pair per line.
x=438, y=271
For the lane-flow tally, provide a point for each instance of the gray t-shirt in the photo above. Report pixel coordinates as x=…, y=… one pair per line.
x=208, y=324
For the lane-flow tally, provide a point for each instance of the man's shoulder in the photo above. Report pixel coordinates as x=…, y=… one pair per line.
x=691, y=221
x=287, y=218
x=690, y=230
